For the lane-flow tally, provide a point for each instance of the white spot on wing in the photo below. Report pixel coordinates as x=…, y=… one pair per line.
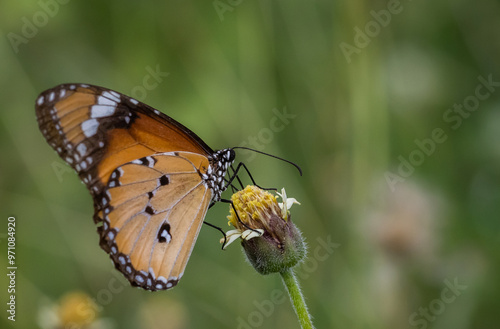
x=164, y=234
x=113, y=95
x=52, y=96
x=134, y=101
x=152, y=273
x=89, y=127
x=82, y=149
x=39, y=101
x=99, y=111
x=105, y=99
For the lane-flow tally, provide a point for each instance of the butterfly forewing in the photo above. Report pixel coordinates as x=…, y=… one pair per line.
x=95, y=130
x=151, y=178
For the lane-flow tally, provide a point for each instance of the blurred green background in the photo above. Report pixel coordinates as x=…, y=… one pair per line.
x=363, y=84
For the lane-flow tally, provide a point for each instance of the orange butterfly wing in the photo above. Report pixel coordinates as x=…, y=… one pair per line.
x=96, y=129
x=153, y=212
x=151, y=178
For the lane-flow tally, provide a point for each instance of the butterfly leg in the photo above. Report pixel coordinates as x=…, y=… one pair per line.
x=237, y=216
x=220, y=230
x=235, y=175
x=234, y=188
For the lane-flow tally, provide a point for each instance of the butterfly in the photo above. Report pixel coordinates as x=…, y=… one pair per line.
x=152, y=179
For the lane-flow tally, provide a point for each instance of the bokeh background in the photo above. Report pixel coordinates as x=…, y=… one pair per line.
x=398, y=238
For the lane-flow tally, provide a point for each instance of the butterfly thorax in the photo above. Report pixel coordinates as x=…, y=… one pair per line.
x=215, y=175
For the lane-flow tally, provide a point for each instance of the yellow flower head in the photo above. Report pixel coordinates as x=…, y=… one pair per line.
x=254, y=207
x=270, y=240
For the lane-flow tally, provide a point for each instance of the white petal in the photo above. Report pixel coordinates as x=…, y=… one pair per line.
x=250, y=234
x=233, y=232
x=290, y=202
x=230, y=237
x=286, y=204
x=282, y=194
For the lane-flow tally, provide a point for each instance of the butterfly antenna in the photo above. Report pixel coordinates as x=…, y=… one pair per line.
x=272, y=156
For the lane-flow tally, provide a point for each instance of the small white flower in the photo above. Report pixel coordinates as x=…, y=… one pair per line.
x=286, y=204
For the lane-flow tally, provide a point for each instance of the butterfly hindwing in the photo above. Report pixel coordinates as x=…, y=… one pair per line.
x=151, y=217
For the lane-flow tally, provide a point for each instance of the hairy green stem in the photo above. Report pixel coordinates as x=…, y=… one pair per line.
x=297, y=299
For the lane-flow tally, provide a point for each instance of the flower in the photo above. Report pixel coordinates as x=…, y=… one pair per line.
x=271, y=241
x=73, y=310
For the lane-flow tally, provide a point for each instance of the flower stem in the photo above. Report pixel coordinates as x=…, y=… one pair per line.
x=297, y=299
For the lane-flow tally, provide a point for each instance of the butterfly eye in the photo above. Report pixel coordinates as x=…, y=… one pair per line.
x=231, y=155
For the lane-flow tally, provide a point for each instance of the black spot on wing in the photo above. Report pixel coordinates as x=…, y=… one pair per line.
x=164, y=233
x=149, y=210
x=164, y=180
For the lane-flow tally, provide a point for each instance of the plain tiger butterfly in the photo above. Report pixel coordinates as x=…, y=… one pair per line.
x=152, y=179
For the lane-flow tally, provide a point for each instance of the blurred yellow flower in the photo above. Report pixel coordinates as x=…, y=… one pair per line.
x=75, y=310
